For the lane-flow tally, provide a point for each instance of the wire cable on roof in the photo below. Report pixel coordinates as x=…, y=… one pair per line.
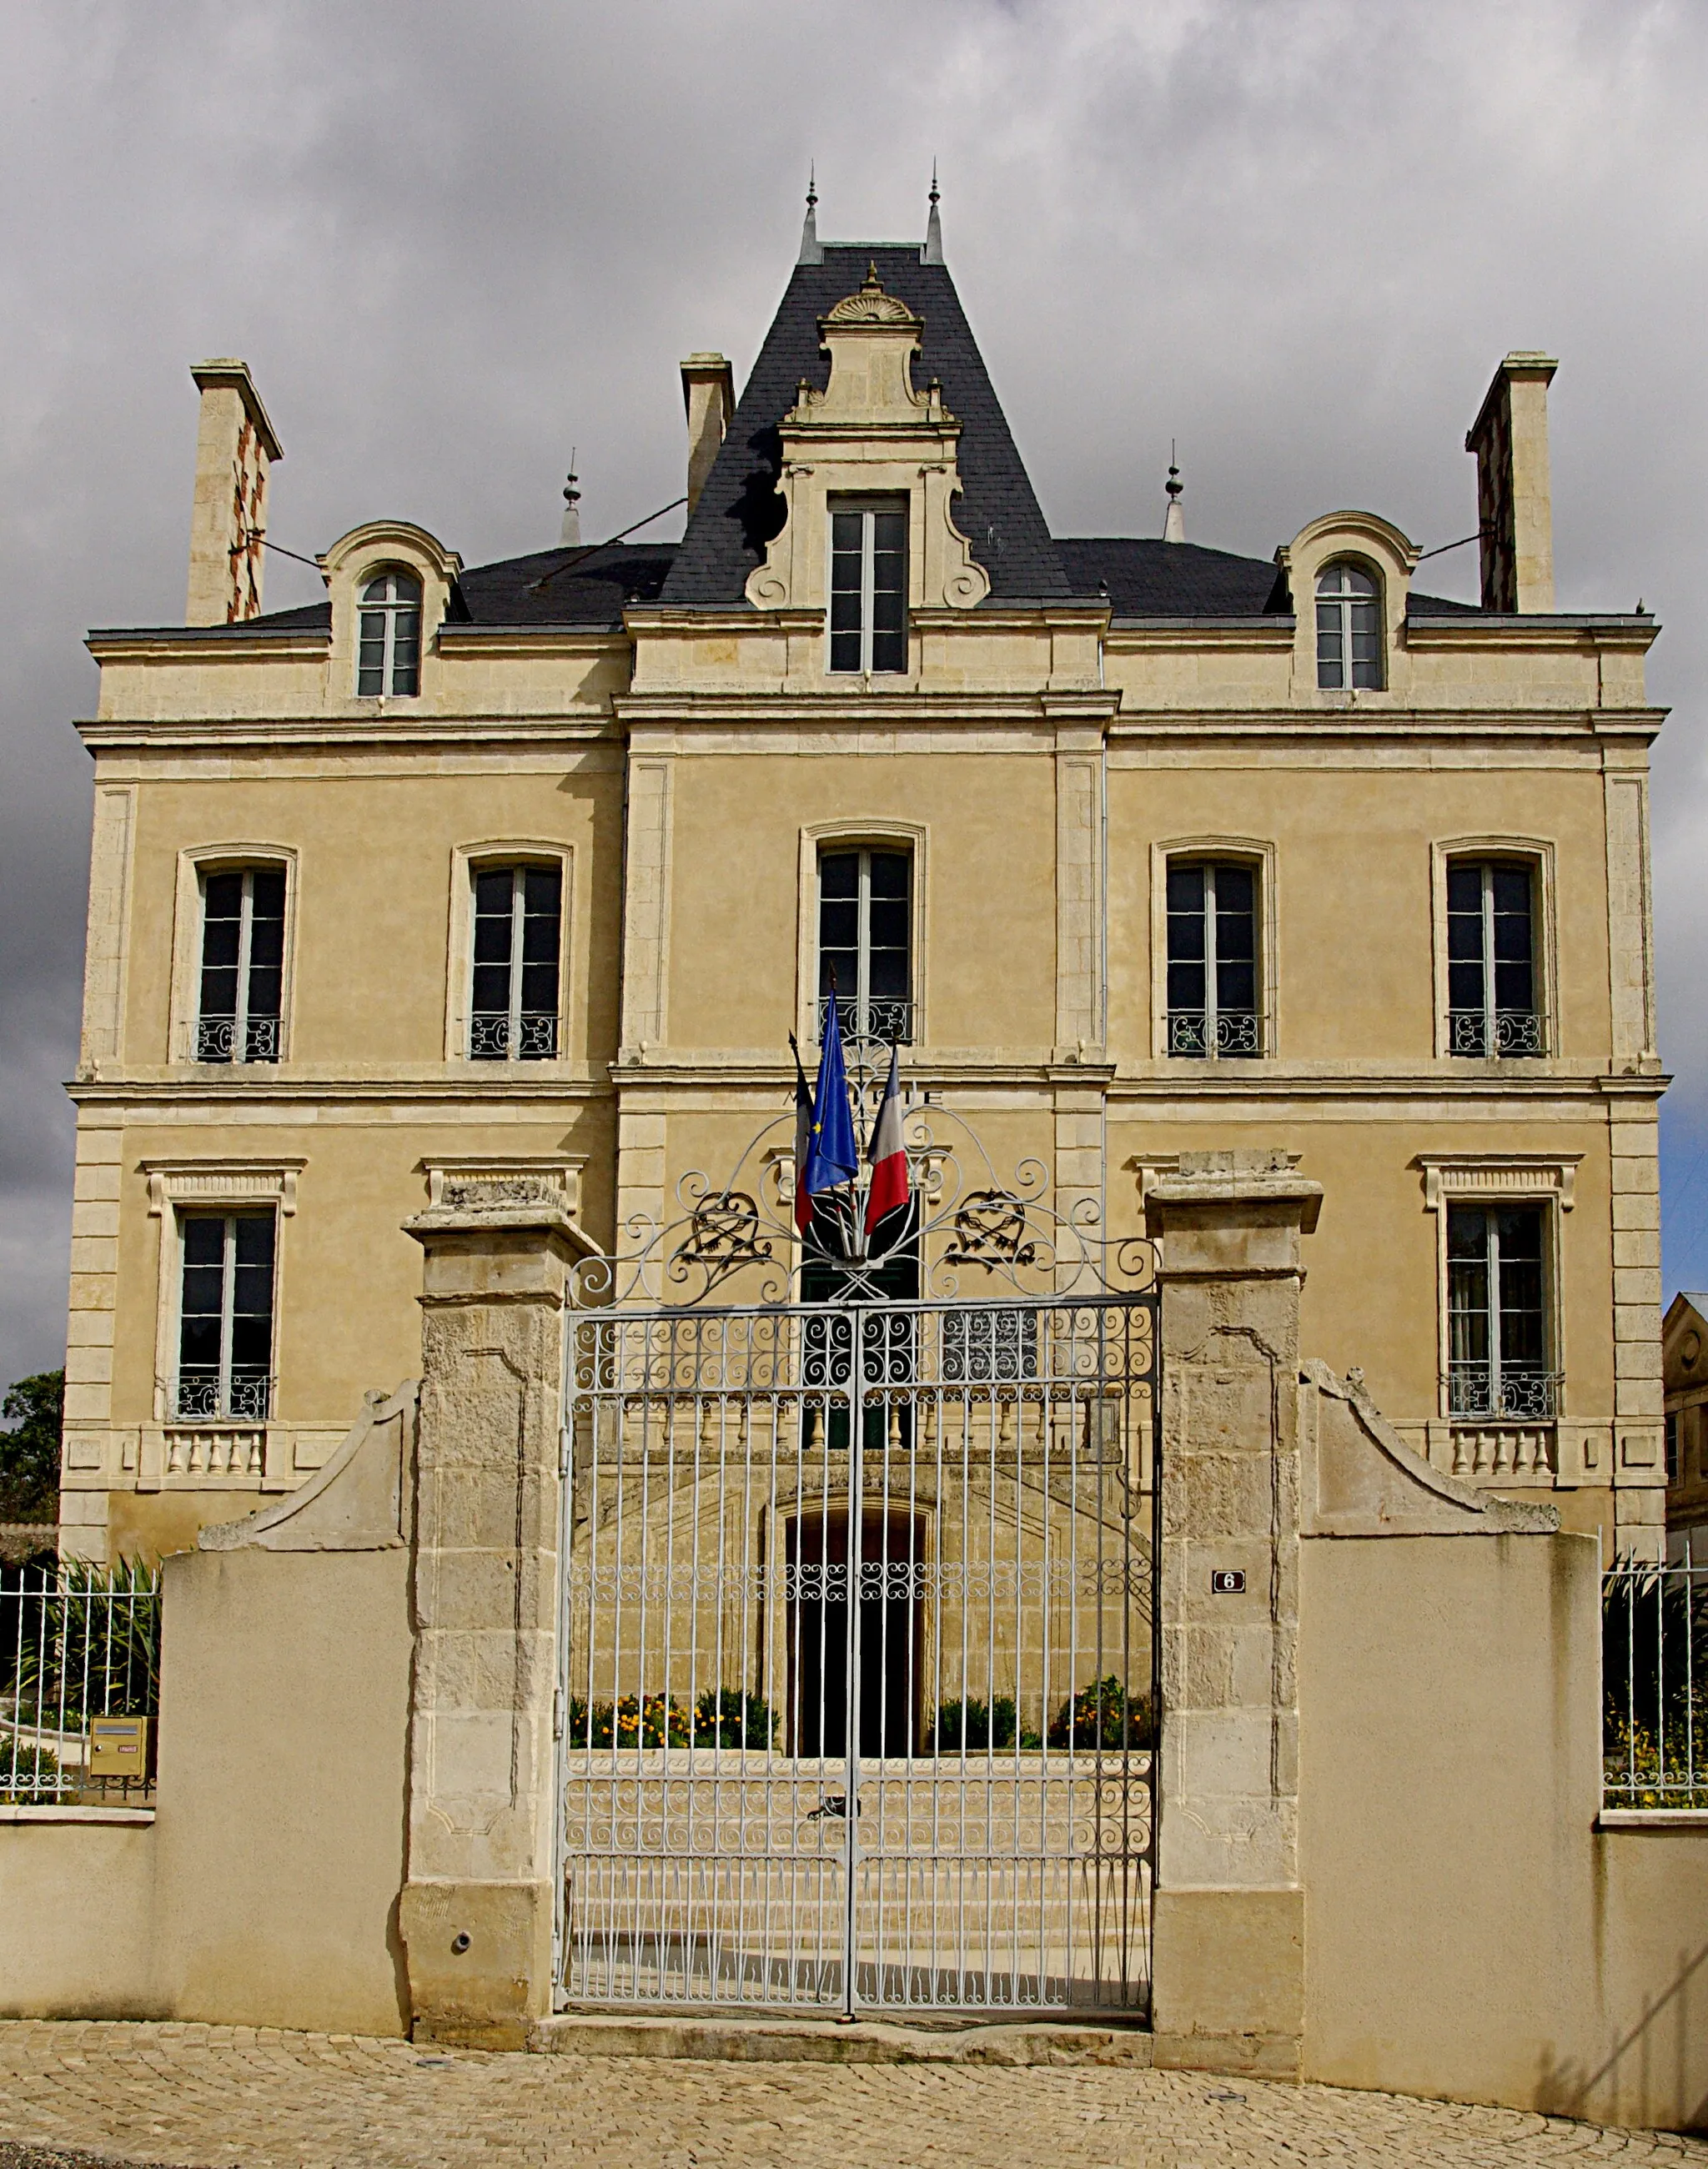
x=593, y=549
x=1442, y=549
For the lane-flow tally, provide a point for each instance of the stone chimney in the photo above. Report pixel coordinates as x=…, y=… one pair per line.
x=235, y=448
x=1514, y=504
x=708, y=393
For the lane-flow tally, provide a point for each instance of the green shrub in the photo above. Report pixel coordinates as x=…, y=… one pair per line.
x=979, y=1728
x=1640, y=1771
x=722, y=1717
x=1104, y=1715
x=29, y=1774
x=731, y=1717
x=81, y=1653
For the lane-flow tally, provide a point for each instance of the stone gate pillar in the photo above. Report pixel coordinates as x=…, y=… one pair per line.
x=1229, y=1929
x=476, y=1914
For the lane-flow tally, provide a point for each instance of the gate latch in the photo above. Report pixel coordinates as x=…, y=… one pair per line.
x=833, y=1803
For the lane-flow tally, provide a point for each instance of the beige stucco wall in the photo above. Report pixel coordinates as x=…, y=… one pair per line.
x=374, y=838
x=1469, y=1933
x=1354, y=907
x=77, y=1902
x=266, y=1891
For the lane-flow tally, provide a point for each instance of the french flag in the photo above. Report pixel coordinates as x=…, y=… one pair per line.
x=888, y=1153
x=803, y=1142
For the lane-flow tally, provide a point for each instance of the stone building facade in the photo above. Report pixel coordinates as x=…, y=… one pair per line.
x=1136, y=849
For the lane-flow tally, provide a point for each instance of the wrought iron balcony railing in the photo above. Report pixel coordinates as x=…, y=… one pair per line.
x=887, y=1017
x=218, y=1039
x=201, y=1395
x=497, y=1036
x=1230, y=1032
x=1522, y=1392
x=1507, y=1032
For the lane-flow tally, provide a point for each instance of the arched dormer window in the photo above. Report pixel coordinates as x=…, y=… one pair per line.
x=1348, y=628
x=388, y=653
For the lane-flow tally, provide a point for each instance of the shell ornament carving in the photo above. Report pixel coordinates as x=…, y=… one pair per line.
x=871, y=305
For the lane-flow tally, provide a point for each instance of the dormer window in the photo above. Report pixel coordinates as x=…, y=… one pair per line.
x=868, y=584
x=388, y=654
x=1348, y=629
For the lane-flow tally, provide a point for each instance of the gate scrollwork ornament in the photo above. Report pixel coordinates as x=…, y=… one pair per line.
x=976, y=1236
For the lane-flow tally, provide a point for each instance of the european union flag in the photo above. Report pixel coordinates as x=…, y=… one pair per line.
x=832, y=1157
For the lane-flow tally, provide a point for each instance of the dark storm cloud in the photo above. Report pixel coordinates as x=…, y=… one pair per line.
x=452, y=241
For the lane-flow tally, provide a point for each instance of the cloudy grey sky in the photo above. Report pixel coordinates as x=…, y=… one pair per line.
x=1295, y=235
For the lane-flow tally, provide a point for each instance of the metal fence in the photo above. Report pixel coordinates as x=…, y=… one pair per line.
x=79, y=1684
x=1655, y=1683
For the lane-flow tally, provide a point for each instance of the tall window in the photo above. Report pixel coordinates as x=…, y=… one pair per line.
x=225, y=1348
x=388, y=656
x=1348, y=628
x=865, y=941
x=868, y=586
x=1491, y=958
x=1213, y=959
x=242, y=965
x=513, y=1007
x=1496, y=1318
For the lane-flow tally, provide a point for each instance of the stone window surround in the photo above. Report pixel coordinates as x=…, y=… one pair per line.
x=176, y=1187
x=383, y=546
x=1537, y=853
x=1378, y=547
x=1260, y=854
x=466, y=860
x=1494, y=1178
x=195, y=864
x=877, y=833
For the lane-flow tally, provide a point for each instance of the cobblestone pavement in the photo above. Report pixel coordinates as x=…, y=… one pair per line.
x=216, y=2096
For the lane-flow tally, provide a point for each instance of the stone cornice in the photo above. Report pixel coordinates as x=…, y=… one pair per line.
x=1558, y=630
x=532, y=640
x=393, y=728
x=760, y=1070
x=1134, y=635
x=158, y=1091
x=193, y=643
x=1411, y=722
x=777, y=709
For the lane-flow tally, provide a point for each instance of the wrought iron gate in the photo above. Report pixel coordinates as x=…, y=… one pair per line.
x=857, y=1641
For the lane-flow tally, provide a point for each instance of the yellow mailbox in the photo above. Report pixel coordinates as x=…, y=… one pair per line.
x=119, y=1747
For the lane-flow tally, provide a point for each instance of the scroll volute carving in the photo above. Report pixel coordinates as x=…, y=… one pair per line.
x=869, y=432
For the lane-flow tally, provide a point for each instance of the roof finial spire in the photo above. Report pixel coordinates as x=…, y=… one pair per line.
x=812, y=248
x=933, y=252
x=572, y=500
x=1174, y=525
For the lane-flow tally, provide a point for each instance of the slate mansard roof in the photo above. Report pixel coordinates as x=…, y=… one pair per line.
x=739, y=510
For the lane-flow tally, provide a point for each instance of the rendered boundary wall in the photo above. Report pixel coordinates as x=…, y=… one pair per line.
x=1470, y=1934
x=266, y=1891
